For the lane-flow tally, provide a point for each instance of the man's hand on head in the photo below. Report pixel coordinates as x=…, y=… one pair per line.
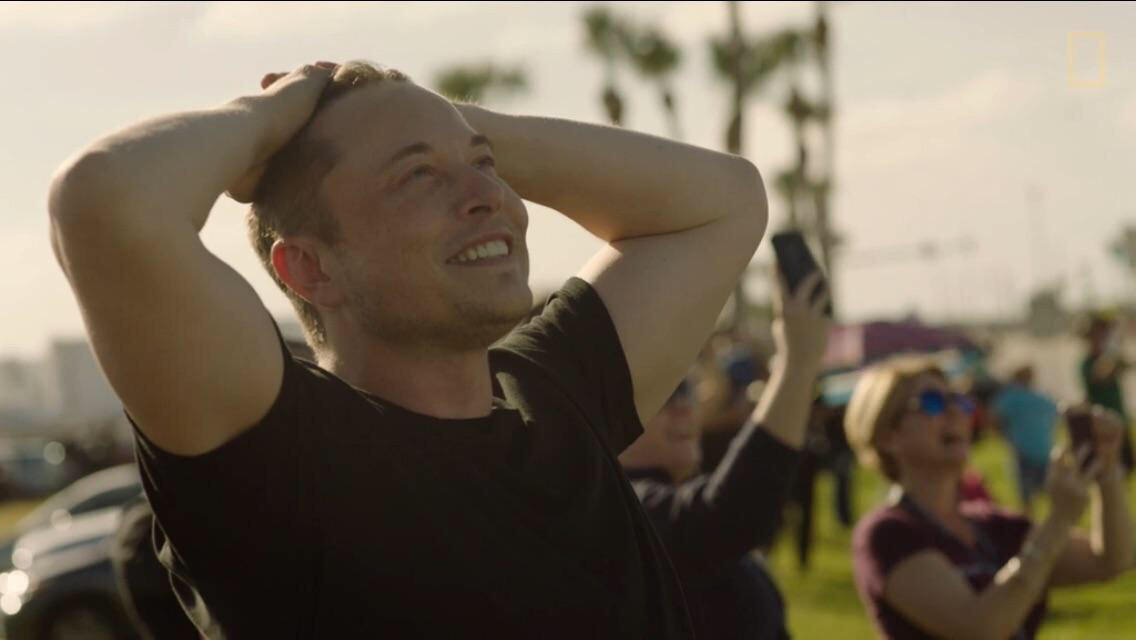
x=288, y=99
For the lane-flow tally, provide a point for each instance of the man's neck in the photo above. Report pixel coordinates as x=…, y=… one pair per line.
x=440, y=384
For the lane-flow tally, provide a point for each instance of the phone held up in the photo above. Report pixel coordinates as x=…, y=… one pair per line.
x=796, y=261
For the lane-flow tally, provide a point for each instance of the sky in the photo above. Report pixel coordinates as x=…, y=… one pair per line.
x=1002, y=132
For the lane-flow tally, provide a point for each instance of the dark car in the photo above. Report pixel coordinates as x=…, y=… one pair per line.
x=63, y=583
x=107, y=488
x=56, y=576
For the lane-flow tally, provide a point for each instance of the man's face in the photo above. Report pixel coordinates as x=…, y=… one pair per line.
x=432, y=242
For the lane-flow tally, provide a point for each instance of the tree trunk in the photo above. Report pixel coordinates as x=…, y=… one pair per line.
x=734, y=137
x=823, y=220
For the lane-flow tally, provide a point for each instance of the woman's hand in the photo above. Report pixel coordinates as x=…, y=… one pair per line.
x=1068, y=483
x=1108, y=436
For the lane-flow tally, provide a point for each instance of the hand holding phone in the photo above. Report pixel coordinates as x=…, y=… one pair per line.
x=795, y=261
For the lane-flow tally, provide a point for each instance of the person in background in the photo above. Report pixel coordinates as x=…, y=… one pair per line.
x=930, y=566
x=1101, y=371
x=710, y=522
x=1027, y=419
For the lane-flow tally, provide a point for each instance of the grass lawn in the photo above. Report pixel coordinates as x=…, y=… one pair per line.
x=11, y=512
x=823, y=604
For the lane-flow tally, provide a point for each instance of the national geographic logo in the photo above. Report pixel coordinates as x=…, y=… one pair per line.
x=1088, y=59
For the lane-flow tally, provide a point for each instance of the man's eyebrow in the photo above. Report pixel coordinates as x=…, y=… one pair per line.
x=409, y=150
x=480, y=139
x=422, y=147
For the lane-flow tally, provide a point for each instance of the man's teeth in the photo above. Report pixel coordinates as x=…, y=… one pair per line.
x=490, y=249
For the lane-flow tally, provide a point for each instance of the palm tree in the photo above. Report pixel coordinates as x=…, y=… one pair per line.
x=603, y=39
x=476, y=83
x=823, y=55
x=747, y=67
x=656, y=58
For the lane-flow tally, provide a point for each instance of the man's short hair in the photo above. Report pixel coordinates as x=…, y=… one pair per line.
x=287, y=199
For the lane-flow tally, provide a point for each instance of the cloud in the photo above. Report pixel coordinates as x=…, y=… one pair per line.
x=276, y=20
x=897, y=129
x=1127, y=115
x=63, y=17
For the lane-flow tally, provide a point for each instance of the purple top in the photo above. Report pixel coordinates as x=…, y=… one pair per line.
x=892, y=534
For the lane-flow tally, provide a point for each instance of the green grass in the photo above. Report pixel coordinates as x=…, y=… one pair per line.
x=11, y=512
x=823, y=603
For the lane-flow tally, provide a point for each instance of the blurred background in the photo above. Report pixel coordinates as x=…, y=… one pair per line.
x=962, y=170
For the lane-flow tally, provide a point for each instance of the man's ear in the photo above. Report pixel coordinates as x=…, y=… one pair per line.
x=299, y=265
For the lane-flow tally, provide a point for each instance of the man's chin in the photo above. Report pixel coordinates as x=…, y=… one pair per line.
x=481, y=325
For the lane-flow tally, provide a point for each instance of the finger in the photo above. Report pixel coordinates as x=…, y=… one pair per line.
x=819, y=305
x=269, y=78
x=1083, y=453
x=808, y=287
x=1093, y=471
x=1106, y=421
x=780, y=289
x=331, y=66
x=1058, y=453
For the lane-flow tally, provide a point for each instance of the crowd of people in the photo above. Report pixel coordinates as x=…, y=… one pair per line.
x=451, y=463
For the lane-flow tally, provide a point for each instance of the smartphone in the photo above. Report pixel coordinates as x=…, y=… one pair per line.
x=796, y=261
x=1080, y=424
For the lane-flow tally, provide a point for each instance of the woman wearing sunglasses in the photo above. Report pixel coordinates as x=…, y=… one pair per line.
x=928, y=565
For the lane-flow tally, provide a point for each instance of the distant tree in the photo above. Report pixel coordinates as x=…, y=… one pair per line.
x=656, y=58
x=746, y=66
x=1124, y=248
x=480, y=82
x=603, y=39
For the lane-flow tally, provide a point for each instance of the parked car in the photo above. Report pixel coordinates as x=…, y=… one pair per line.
x=62, y=585
x=107, y=488
x=34, y=467
x=56, y=577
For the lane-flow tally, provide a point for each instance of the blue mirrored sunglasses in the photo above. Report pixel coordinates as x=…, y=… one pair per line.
x=934, y=402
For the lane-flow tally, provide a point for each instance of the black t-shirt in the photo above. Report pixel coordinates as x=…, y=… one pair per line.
x=710, y=523
x=344, y=515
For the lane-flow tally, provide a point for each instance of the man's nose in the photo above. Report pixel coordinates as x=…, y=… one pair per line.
x=483, y=194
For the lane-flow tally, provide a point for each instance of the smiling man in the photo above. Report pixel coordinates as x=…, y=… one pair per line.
x=435, y=474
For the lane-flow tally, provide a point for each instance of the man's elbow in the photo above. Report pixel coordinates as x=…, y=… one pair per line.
x=82, y=184
x=752, y=213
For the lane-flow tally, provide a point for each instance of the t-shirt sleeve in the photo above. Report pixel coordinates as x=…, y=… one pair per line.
x=880, y=543
x=242, y=504
x=574, y=341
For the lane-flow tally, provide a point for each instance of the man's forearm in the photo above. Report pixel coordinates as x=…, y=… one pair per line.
x=617, y=183
x=173, y=166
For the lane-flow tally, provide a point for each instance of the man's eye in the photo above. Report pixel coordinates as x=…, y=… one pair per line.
x=421, y=172
x=486, y=162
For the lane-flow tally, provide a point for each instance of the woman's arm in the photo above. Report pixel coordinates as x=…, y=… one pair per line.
x=931, y=592
x=1107, y=551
